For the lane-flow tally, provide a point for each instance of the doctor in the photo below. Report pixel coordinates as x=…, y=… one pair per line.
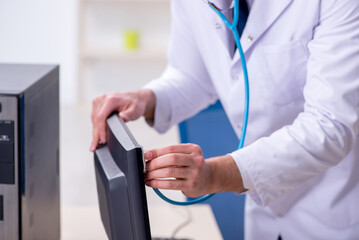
x=300, y=163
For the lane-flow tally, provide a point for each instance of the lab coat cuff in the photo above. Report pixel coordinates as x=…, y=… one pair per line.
x=162, y=116
x=246, y=178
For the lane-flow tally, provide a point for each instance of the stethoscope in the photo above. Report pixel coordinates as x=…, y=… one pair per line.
x=233, y=27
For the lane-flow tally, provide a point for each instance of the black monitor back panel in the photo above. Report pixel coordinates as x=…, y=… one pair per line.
x=120, y=182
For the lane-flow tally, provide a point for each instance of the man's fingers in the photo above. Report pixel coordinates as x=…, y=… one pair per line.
x=96, y=105
x=94, y=144
x=100, y=114
x=130, y=113
x=100, y=121
x=124, y=116
x=151, y=154
x=179, y=148
x=176, y=160
x=166, y=184
x=98, y=134
x=170, y=172
x=107, y=108
x=130, y=106
x=103, y=137
x=95, y=138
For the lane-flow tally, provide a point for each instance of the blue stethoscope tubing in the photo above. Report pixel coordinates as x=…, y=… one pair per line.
x=233, y=27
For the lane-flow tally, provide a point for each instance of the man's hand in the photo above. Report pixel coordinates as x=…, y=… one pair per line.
x=182, y=167
x=130, y=106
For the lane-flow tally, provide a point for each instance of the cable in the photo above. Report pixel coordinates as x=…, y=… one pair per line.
x=182, y=225
x=233, y=27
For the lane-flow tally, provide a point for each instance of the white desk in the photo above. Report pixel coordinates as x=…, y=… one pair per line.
x=85, y=223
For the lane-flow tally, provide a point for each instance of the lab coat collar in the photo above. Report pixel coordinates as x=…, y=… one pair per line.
x=221, y=31
x=261, y=17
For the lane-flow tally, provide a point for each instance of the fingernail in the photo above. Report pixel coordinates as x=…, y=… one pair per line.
x=147, y=183
x=92, y=147
x=148, y=155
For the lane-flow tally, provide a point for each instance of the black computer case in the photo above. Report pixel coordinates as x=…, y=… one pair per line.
x=29, y=152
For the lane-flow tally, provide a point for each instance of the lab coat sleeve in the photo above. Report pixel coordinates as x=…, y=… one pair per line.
x=185, y=87
x=324, y=133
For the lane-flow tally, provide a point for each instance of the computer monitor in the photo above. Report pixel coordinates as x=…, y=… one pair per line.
x=119, y=167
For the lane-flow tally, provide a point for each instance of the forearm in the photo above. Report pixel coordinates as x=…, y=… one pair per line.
x=224, y=175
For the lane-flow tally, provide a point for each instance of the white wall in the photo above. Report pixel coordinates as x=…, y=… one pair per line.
x=41, y=31
x=45, y=31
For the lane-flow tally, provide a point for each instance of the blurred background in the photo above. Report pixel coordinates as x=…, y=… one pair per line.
x=102, y=46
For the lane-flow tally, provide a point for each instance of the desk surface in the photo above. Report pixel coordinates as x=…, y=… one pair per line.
x=85, y=223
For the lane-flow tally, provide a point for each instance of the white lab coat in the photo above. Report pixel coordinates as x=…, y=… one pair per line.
x=301, y=156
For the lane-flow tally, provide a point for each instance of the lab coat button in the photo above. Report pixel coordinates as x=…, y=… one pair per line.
x=250, y=38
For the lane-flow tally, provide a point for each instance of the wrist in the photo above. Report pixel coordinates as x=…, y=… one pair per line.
x=224, y=175
x=149, y=99
x=212, y=181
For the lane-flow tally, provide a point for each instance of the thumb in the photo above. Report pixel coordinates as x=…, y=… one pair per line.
x=124, y=116
x=129, y=114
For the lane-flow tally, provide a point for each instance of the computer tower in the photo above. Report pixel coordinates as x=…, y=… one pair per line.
x=29, y=152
